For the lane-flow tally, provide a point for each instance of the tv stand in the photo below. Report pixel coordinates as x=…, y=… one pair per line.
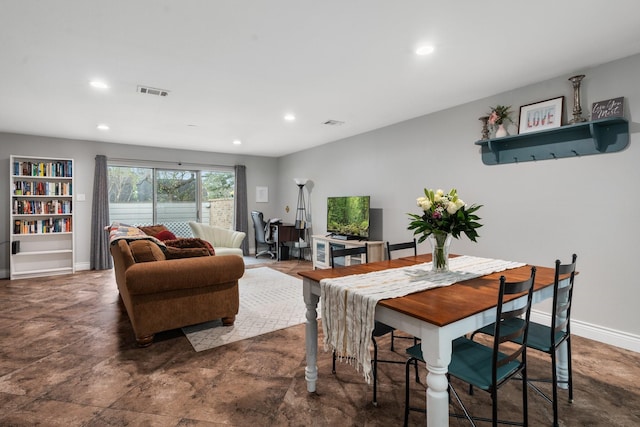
x=320, y=247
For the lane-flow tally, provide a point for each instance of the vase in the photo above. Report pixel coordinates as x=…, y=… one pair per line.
x=501, y=131
x=440, y=242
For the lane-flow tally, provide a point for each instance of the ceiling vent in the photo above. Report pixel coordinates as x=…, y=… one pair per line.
x=333, y=123
x=152, y=91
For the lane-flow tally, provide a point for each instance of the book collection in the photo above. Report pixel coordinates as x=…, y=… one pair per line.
x=42, y=226
x=41, y=207
x=31, y=188
x=60, y=168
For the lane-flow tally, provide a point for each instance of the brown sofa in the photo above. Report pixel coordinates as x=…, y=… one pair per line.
x=164, y=294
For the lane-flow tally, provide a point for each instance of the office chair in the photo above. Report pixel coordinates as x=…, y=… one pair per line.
x=379, y=328
x=548, y=339
x=260, y=236
x=484, y=367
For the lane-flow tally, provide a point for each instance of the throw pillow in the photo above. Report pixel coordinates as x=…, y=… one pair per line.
x=146, y=251
x=166, y=235
x=153, y=230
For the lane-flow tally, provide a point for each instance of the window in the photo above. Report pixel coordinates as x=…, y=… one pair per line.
x=172, y=197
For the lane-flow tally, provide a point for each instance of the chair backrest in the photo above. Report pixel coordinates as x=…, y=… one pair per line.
x=503, y=355
x=562, y=296
x=337, y=253
x=400, y=246
x=258, y=226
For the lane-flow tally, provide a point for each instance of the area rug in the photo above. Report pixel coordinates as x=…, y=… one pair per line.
x=269, y=300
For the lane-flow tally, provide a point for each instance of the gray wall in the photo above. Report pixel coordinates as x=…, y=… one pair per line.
x=533, y=212
x=261, y=171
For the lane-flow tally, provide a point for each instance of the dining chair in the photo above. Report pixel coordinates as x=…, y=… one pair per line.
x=380, y=329
x=548, y=339
x=489, y=367
x=401, y=246
x=398, y=247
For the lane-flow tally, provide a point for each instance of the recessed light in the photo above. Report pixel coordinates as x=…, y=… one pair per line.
x=98, y=84
x=237, y=142
x=425, y=50
x=103, y=126
x=289, y=117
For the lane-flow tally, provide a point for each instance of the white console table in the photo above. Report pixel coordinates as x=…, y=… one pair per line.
x=320, y=255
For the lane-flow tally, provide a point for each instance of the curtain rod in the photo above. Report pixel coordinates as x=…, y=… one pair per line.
x=166, y=162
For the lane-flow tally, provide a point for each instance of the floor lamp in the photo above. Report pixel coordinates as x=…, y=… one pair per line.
x=301, y=216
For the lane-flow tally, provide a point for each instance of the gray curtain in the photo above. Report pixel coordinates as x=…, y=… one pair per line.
x=100, y=256
x=242, y=213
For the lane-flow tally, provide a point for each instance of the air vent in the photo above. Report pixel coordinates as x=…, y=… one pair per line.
x=152, y=91
x=333, y=123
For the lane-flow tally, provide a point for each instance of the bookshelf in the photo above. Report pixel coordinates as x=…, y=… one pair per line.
x=41, y=216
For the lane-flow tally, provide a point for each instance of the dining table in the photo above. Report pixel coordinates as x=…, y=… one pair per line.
x=437, y=316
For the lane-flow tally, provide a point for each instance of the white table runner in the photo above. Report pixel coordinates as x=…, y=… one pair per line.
x=348, y=303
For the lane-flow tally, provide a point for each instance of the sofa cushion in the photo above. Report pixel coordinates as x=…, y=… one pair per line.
x=153, y=230
x=177, y=253
x=190, y=242
x=166, y=235
x=146, y=251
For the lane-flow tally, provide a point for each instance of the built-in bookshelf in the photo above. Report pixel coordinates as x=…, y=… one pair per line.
x=41, y=215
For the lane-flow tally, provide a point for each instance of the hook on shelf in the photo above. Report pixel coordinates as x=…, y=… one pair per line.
x=553, y=155
x=515, y=159
x=533, y=157
x=575, y=152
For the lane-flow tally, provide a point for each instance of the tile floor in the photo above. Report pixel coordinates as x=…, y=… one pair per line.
x=68, y=358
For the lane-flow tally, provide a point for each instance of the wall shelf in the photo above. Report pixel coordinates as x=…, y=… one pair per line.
x=581, y=139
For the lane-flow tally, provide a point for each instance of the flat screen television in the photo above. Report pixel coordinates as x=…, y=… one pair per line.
x=348, y=217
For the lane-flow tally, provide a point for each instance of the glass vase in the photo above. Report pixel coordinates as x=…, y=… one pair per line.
x=440, y=243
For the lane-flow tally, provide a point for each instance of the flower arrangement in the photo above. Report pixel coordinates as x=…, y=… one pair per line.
x=444, y=215
x=499, y=114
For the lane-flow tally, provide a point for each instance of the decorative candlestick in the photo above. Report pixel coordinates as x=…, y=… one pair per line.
x=577, y=110
x=485, y=127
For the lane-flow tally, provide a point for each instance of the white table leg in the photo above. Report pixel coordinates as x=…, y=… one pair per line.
x=311, y=337
x=437, y=354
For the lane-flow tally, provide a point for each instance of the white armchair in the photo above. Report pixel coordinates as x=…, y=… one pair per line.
x=223, y=240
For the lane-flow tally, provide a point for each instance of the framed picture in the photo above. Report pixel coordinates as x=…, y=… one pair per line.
x=262, y=194
x=541, y=115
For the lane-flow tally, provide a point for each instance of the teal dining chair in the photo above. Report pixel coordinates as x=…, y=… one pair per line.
x=489, y=367
x=547, y=339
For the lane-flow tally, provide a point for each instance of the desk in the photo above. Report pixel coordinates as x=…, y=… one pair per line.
x=437, y=316
x=283, y=233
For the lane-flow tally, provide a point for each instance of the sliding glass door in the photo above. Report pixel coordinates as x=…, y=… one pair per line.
x=172, y=197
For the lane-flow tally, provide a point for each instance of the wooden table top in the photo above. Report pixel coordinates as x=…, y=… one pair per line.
x=444, y=305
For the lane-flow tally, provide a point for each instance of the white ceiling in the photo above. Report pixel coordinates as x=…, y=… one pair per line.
x=233, y=68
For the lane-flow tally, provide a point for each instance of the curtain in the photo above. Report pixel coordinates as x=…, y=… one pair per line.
x=100, y=256
x=241, y=208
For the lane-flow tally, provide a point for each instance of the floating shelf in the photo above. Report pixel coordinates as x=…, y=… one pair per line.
x=581, y=139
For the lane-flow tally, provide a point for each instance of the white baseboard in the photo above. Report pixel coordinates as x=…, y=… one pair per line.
x=595, y=332
x=83, y=266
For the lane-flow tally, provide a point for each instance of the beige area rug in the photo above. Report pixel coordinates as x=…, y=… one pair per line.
x=269, y=300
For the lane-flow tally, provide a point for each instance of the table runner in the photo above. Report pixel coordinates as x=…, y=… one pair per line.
x=348, y=303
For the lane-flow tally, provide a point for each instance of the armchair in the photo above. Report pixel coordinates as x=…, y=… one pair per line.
x=223, y=240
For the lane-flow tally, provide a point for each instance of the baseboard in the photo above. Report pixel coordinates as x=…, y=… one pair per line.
x=83, y=266
x=594, y=332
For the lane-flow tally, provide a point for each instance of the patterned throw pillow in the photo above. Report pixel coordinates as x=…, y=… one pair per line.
x=153, y=230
